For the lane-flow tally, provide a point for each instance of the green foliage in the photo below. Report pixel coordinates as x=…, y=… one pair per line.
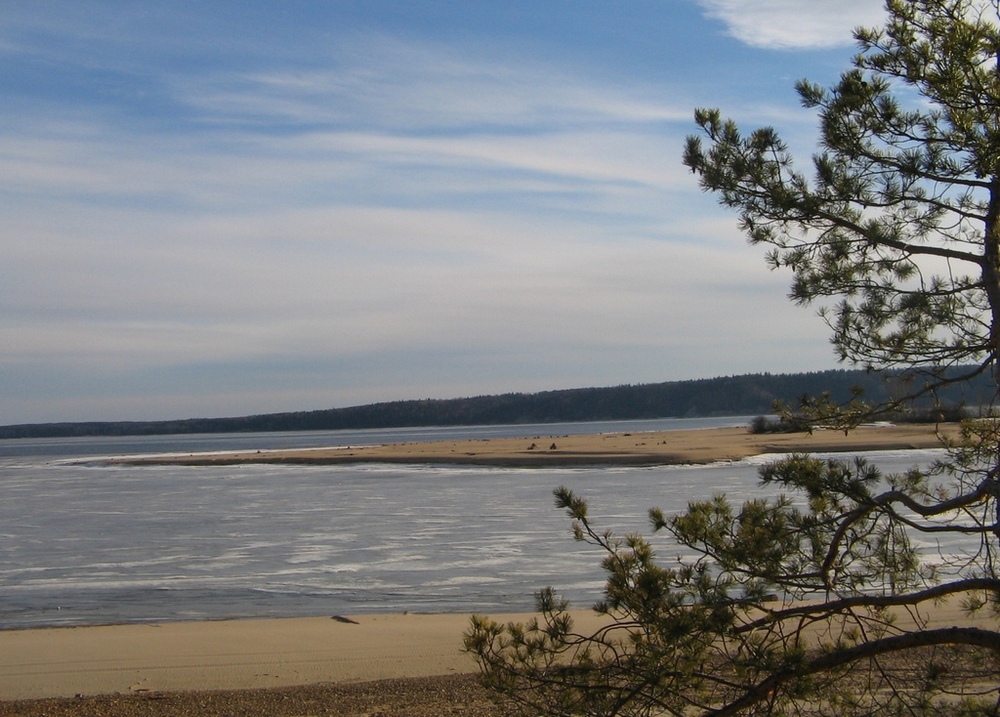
x=780, y=603
x=818, y=600
x=897, y=222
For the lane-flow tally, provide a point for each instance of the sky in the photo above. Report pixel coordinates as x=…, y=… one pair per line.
x=229, y=208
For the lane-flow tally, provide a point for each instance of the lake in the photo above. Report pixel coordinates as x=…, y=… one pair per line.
x=86, y=543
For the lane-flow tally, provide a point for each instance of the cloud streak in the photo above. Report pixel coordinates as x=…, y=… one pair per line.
x=794, y=24
x=393, y=218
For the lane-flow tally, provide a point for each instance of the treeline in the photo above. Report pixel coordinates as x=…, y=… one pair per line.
x=731, y=395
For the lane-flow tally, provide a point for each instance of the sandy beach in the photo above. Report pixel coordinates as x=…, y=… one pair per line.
x=645, y=448
x=404, y=664
x=365, y=665
x=232, y=654
x=322, y=665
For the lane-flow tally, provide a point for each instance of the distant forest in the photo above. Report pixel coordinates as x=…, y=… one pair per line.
x=751, y=394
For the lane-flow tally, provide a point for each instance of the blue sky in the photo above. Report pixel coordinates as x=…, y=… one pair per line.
x=225, y=208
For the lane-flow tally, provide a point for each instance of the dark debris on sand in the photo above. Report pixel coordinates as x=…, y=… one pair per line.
x=455, y=695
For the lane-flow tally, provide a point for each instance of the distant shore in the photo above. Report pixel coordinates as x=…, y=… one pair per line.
x=540, y=450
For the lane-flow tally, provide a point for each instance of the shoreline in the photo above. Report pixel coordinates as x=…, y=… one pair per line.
x=677, y=447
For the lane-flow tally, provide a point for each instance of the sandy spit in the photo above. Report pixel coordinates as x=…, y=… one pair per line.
x=645, y=448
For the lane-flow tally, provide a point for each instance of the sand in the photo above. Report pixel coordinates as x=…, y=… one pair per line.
x=383, y=665
x=406, y=664
x=645, y=448
x=234, y=654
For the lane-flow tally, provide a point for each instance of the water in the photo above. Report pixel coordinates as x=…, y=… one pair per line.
x=84, y=543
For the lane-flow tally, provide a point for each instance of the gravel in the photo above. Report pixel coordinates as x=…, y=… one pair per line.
x=416, y=697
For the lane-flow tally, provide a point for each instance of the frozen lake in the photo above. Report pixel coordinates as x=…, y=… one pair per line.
x=84, y=543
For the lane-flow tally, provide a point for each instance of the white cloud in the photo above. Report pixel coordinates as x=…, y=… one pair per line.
x=128, y=287
x=789, y=24
x=387, y=82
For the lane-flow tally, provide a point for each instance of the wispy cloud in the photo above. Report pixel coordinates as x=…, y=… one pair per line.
x=385, y=218
x=788, y=24
x=386, y=82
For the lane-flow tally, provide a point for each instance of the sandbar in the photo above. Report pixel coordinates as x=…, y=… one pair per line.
x=641, y=448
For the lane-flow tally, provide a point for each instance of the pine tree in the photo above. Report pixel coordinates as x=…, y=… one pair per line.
x=819, y=600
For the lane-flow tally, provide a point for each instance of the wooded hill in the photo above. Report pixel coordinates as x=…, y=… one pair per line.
x=749, y=394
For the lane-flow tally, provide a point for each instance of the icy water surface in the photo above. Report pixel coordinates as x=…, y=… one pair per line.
x=83, y=543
